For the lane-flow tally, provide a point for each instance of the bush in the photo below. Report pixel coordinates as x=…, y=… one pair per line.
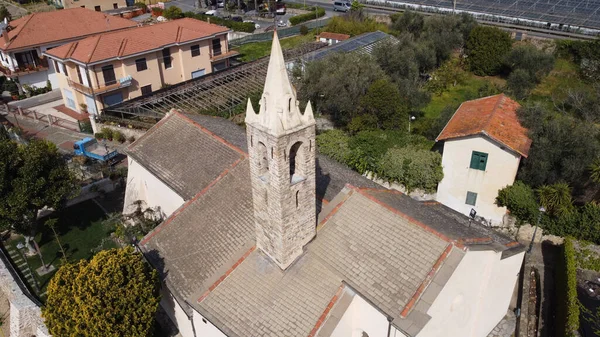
x=519, y=199
x=85, y=127
x=108, y=133
x=141, y=5
x=568, y=304
x=131, y=139
x=119, y=136
x=319, y=12
x=246, y=27
x=486, y=49
x=352, y=26
x=99, y=135
x=413, y=168
x=303, y=30
x=173, y=13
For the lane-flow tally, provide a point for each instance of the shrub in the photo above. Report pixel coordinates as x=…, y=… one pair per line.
x=568, y=304
x=173, y=13
x=99, y=135
x=303, y=30
x=85, y=127
x=486, y=49
x=519, y=199
x=131, y=139
x=319, y=12
x=334, y=144
x=352, y=26
x=141, y=5
x=414, y=168
x=108, y=133
x=119, y=136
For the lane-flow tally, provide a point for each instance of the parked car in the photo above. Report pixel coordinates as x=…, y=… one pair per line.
x=211, y=12
x=342, y=6
x=220, y=3
x=280, y=9
x=280, y=23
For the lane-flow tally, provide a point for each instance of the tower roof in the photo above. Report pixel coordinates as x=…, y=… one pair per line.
x=279, y=112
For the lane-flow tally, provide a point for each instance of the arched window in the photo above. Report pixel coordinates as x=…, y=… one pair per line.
x=263, y=161
x=296, y=159
x=297, y=195
x=290, y=105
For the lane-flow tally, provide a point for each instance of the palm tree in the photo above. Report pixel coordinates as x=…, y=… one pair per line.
x=52, y=224
x=556, y=198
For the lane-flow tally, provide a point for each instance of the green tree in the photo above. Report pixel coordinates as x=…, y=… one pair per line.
x=412, y=167
x=556, y=198
x=334, y=144
x=520, y=83
x=173, y=13
x=486, y=49
x=4, y=13
x=114, y=294
x=408, y=22
x=383, y=101
x=449, y=74
x=520, y=200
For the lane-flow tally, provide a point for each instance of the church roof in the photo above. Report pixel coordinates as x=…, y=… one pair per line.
x=369, y=240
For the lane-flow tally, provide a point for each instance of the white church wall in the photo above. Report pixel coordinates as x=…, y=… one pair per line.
x=142, y=185
x=176, y=314
x=360, y=316
x=475, y=298
x=501, y=170
x=204, y=328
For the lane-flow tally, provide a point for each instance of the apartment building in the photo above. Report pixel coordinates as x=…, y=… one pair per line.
x=106, y=69
x=24, y=41
x=96, y=5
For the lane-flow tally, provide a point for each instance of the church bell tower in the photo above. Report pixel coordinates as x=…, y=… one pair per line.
x=281, y=146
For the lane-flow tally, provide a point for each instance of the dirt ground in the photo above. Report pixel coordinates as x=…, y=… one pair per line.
x=4, y=315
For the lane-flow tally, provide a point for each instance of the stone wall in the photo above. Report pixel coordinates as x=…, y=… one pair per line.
x=25, y=316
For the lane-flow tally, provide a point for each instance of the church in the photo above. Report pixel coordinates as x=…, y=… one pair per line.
x=265, y=237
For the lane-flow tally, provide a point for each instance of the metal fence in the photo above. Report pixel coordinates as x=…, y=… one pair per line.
x=285, y=32
x=51, y=120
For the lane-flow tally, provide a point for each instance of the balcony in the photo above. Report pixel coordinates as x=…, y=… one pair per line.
x=218, y=55
x=24, y=70
x=121, y=83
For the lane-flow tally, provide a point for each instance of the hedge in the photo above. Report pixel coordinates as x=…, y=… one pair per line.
x=246, y=27
x=568, y=304
x=294, y=20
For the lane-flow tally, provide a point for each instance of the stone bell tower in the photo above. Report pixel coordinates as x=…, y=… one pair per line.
x=281, y=145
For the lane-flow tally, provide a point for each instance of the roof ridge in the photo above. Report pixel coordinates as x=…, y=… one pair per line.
x=493, y=112
x=122, y=47
x=18, y=30
x=178, y=34
x=72, y=49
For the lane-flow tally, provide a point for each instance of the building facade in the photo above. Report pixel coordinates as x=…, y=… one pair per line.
x=25, y=40
x=483, y=146
x=109, y=68
x=95, y=5
x=269, y=241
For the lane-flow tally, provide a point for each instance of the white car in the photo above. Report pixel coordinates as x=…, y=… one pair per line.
x=280, y=23
x=211, y=12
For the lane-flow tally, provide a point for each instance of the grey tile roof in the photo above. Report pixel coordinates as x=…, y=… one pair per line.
x=206, y=234
x=364, y=44
x=441, y=218
x=171, y=149
x=380, y=254
x=259, y=299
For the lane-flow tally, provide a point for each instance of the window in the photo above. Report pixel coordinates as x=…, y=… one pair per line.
x=295, y=161
x=65, y=69
x=195, y=50
x=97, y=8
x=79, y=76
x=478, y=160
x=82, y=6
x=115, y=6
x=216, y=46
x=140, y=64
x=471, y=198
x=56, y=66
x=166, y=53
x=108, y=72
x=147, y=89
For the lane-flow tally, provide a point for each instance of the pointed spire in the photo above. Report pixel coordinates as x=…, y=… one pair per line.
x=251, y=116
x=279, y=110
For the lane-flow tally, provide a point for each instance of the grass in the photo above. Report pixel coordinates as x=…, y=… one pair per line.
x=454, y=96
x=256, y=50
x=80, y=232
x=565, y=74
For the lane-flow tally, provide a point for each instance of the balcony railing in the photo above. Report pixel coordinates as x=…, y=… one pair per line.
x=112, y=85
x=22, y=70
x=214, y=57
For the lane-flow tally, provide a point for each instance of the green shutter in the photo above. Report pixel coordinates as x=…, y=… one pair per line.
x=471, y=198
x=478, y=160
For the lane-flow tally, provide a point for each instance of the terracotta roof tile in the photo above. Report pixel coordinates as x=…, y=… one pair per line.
x=47, y=27
x=335, y=36
x=136, y=40
x=494, y=117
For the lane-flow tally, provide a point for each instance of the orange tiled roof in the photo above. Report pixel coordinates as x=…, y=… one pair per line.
x=135, y=40
x=334, y=36
x=43, y=28
x=493, y=116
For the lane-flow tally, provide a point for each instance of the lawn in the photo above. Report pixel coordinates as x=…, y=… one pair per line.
x=253, y=51
x=564, y=75
x=80, y=232
x=454, y=96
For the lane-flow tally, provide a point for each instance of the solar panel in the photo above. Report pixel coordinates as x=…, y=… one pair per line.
x=577, y=13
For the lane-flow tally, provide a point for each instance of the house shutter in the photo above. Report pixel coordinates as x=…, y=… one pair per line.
x=478, y=160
